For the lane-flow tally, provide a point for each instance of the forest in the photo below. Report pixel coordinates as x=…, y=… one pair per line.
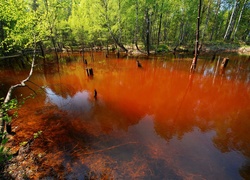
x=149, y=25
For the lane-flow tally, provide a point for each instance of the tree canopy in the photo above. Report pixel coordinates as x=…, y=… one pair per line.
x=146, y=24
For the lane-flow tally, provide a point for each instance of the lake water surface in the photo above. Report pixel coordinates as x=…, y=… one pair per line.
x=154, y=122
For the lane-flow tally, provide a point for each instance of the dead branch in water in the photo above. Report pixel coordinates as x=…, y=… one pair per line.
x=21, y=84
x=109, y=148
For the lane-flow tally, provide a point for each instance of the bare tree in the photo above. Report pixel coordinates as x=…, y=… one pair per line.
x=194, y=62
x=147, y=19
x=236, y=28
x=230, y=23
x=159, y=28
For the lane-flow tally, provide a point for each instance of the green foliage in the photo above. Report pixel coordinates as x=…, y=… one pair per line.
x=100, y=22
x=6, y=108
x=162, y=48
x=17, y=23
x=24, y=143
x=31, y=96
x=37, y=134
x=7, y=114
x=4, y=152
x=7, y=117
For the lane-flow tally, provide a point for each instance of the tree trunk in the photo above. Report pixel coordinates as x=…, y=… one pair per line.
x=2, y=37
x=230, y=23
x=194, y=62
x=82, y=51
x=116, y=40
x=159, y=29
x=236, y=28
x=42, y=51
x=165, y=35
x=182, y=33
x=136, y=24
x=207, y=20
x=147, y=32
x=215, y=20
x=55, y=49
x=119, y=21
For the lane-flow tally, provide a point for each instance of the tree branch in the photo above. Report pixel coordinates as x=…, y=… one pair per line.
x=21, y=84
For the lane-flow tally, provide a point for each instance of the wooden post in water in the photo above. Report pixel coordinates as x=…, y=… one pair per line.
x=89, y=71
x=138, y=64
x=95, y=94
x=224, y=63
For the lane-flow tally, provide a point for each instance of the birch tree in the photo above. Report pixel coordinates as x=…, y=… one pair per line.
x=231, y=22
x=239, y=19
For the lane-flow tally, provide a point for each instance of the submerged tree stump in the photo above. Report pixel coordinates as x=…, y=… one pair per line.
x=138, y=64
x=224, y=63
x=89, y=71
x=95, y=94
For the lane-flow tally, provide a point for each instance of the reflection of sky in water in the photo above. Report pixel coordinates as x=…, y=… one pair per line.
x=78, y=103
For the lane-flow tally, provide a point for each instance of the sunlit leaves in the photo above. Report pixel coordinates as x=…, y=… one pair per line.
x=18, y=24
x=37, y=134
x=92, y=22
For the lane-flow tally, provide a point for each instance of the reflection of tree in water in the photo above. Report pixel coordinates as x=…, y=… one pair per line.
x=245, y=170
x=204, y=105
x=185, y=117
x=116, y=155
x=233, y=135
x=226, y=113
x=199, y=108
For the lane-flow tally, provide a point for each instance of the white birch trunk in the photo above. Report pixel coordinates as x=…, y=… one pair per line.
x=236, y=28
x=230, y=21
